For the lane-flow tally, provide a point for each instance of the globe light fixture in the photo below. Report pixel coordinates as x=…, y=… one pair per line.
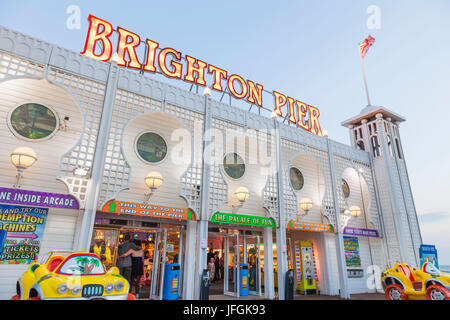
x=22, y=158
x=242, y=194
x=355, y=211
x=306, y=204
x=153, y=181
x=207, y=92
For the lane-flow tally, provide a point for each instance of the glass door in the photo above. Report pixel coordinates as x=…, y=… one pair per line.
x=159, y=265
x=168, y=250
x=254, y=265
x=231, y=265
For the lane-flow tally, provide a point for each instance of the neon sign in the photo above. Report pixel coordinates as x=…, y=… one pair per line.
x=169, y=62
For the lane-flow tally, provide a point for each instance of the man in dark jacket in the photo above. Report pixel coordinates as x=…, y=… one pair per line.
x=124, y=264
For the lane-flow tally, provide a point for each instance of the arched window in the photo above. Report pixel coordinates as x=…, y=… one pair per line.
x=375, y=146
x=399, y=150
x=390, y=146
x=360, y=145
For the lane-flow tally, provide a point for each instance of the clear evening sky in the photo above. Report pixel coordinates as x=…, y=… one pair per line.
x=308, y=50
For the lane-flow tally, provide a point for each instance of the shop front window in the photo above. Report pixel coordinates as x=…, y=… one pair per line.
x=151, y=147
x=234, y=166
x=297, y=180
x=33, y=121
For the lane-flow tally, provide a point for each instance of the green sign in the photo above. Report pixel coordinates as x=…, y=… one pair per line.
x=231, y=218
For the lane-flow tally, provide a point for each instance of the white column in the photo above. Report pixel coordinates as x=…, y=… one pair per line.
x=202, y=224
x=87, y=223
x=342, y=267
x=189, y=261
x=269, y=290
x=282, y=223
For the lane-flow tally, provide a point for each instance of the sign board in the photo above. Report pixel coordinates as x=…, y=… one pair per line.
x=147, y=210
x=428, y=253
x=351, y=250
x=169, y=62
x=39, y=199
x=21, y=230
x=361, y=232
x=232, y=218
x=311, y=227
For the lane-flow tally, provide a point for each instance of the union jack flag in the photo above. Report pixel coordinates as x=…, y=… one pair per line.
x=364, y=47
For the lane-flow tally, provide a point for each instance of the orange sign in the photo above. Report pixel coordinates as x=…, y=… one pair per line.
x=311, y=227
x=147, y=210
x=168, y=61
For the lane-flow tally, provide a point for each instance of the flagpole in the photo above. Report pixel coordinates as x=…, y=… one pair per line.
x=364, y=76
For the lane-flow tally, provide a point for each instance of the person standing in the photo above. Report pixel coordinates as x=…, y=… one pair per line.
x=216, y=266
x=124, y=263
x=211, y=268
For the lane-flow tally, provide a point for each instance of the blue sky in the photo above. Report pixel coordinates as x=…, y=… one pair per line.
x=308, y=50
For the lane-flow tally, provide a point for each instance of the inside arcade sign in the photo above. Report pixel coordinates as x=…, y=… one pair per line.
x=169, y=62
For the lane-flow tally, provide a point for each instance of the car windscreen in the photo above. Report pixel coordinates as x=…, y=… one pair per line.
x=82, y=265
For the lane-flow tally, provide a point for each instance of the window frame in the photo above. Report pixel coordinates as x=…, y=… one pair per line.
x=137, y=151
x=37, y=102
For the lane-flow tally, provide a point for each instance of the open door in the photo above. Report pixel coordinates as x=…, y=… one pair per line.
x=254, y=265
x=231, y=265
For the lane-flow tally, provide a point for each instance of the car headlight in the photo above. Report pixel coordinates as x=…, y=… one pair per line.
x=63, y=288
x=119, y=286
x=109, y=288
x=75, y=290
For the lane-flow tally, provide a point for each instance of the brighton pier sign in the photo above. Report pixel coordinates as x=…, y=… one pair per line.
x=168, y=61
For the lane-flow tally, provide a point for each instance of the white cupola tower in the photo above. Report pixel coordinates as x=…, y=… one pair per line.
x=376, y=130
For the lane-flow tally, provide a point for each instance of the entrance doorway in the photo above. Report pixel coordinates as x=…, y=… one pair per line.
x=235, y=251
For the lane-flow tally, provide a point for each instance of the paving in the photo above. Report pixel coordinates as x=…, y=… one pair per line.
x=362, y=296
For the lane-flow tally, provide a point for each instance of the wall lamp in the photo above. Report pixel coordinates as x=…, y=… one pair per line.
x=242, y=194
x=306, y=204
x=153, y=180
x=355, y=211
x=22, y=158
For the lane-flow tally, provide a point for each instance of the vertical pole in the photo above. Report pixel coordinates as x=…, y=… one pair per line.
x=364, y=77
x=339, y=237
x=84, y=233
x=281, y=225
x=202, y=224
x=269, y=290
x=189, y=261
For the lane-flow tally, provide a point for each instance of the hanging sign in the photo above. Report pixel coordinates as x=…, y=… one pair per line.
x=147, y=210
x=310, y=226
x=21, y=230
x=351, y=250
x=39, y=199
x=168, y=61
x=361, y=232
x=231, y=218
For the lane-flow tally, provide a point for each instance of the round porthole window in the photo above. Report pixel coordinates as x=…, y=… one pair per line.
x=345, y=189
x=297, y=180
x=151, y=147
x=33, y=121
x=234, y=166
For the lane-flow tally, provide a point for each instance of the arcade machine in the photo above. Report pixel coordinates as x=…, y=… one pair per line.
x=306, y=268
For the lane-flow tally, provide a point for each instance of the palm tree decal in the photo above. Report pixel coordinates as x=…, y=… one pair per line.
x=87, y=264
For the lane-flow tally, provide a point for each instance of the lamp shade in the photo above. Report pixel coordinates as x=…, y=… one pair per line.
x=306, y=204
x=154, y=180
x=355, y=211
x=242, y=194
x=23, y=157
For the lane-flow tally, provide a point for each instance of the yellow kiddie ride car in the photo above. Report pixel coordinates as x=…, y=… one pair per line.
x=405, y=283
x=72, y=276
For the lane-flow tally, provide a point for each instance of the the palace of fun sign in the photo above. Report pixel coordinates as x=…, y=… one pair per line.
x=168, y=61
